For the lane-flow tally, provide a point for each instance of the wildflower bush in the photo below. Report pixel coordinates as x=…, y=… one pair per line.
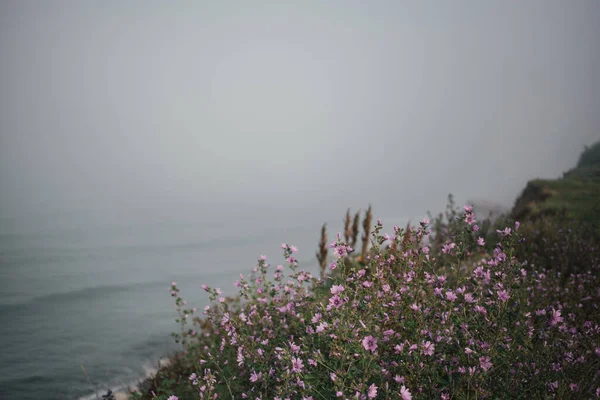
x=413, y=320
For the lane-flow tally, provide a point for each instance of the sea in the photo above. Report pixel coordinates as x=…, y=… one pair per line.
x=87, y=309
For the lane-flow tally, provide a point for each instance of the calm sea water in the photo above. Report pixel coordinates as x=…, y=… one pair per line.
x=99, y=298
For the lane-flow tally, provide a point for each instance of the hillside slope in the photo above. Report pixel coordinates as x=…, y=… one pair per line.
x=575, y=196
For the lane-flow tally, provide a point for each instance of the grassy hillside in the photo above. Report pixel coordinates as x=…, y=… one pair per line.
x=575, y=196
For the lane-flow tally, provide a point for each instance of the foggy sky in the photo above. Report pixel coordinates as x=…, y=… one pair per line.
x=172, y=108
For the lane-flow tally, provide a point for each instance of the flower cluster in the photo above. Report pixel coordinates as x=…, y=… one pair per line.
x=408, y=322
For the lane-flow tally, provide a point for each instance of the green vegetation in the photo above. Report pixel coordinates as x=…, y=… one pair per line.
x=576, y=196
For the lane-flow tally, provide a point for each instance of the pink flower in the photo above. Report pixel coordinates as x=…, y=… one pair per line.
x=297, y=365
x=255, y=377
x=367, y=284
x=450, y=295
x=504, y=232
x=517, y=224
x=335, y=301
x=468, y=208
x=336, y=289
x=372, y=391
x=480, y=241
x=322, y=326
x=370, y=343
x=294, y=348
x=293, y=249
x=427, y=348
x=447, y=248
x=503, y=295
x=556, y=318
x=481, y=310
x=173, y=397
x=405, y=393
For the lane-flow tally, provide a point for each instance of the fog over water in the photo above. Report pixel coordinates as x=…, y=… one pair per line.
x=148, y=141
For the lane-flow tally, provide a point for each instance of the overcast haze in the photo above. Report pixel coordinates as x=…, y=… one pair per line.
x=146, y=109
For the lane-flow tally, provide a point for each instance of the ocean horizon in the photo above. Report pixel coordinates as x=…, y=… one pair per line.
x=101, y=300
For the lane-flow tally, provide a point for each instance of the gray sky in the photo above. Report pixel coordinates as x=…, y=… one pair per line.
x=165, y=108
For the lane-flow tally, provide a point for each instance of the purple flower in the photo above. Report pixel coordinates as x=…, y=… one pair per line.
x=574, y=387
x=485, y=363
x=370, y=343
